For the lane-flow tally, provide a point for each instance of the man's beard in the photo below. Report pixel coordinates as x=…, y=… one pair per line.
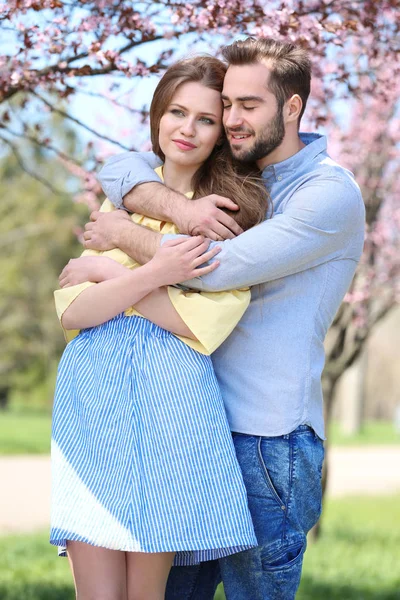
x=268, y=141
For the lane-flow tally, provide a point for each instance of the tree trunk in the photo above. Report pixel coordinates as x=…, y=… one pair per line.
x=328, y=387
x=4, y=398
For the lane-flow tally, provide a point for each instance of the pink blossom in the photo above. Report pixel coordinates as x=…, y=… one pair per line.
x=355, y=60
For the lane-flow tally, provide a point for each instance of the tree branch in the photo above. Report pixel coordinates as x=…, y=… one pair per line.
x=135, y=111
x=31, y=173
x=55, y=68
x=78, y=122
x=44, y=145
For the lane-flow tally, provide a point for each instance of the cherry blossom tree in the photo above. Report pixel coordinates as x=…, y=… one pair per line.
x=55, y=52
x=370, y=148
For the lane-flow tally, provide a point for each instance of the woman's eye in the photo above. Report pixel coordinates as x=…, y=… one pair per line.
x=177, y=112
x=226, y=106
x=206, y=120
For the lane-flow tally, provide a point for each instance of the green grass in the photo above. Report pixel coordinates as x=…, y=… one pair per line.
x=357, y=558
x=31, y=570
x=358, y=555
x=24, y=433
x=372, y=432
x=29, y=433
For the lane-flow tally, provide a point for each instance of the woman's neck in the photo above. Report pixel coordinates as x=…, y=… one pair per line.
x=178, y=177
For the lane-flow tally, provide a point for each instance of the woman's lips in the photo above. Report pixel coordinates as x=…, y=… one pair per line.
x=183, y=145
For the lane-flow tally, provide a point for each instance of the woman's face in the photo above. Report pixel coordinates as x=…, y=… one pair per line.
x=191, y=125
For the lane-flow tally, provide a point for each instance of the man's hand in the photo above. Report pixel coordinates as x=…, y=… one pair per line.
x=205, y=217
x=102, y=233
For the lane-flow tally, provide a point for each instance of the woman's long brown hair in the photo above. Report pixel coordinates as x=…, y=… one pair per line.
x=220, y=174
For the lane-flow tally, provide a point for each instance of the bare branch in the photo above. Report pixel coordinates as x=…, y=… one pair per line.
x=31, y=173
x=78, y=122
x=44, y=145
x=135, y=111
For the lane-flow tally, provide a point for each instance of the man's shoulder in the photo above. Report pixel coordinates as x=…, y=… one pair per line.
x=328, y=189
x=326, y=172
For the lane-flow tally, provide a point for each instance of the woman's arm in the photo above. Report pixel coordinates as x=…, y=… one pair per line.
x=205, y=318
x=158, y=308
x=170, y=265
x=102, y=302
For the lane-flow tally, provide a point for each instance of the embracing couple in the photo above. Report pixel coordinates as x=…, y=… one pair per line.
x=172, y=472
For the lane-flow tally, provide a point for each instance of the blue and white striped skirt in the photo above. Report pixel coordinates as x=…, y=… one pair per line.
x=142, y=455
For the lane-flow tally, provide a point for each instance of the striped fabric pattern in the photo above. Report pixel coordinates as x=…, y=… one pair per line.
x=142, y=455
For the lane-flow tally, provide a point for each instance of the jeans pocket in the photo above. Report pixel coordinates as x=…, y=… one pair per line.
x=267, y=476
x=285, y=558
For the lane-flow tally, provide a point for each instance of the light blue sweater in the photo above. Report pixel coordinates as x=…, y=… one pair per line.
x=303, y=259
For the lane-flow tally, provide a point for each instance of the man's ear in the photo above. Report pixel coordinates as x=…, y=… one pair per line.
x=293, y=108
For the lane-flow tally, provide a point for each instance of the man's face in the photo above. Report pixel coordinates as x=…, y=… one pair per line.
x=253, y=123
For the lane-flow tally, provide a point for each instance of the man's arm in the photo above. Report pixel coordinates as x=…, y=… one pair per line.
x=129, y=181
x=116, y=230
x=123, y=172
x=323, y=221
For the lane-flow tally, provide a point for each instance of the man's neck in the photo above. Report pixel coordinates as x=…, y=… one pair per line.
x=289, y=147
x=178, y=177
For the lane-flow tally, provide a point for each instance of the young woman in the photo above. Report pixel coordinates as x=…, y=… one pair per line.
x=144, y=470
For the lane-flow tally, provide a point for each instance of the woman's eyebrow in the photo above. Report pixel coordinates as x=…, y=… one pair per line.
x=202, y=113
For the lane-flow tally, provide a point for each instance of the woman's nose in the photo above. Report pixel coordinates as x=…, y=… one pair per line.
x=188, y=128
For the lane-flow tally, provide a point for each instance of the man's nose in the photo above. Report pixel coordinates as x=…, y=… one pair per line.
x=188, y=127
x=232, y=118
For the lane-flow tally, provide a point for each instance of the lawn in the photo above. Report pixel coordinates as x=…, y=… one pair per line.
x=356, y=559
x=358, y=556
x=372, y=432
x=29, y=433
x=24, y=433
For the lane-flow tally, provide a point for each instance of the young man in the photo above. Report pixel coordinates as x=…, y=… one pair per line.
x=304, y=258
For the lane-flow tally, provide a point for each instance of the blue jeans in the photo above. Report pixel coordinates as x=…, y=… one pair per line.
x=283, y=480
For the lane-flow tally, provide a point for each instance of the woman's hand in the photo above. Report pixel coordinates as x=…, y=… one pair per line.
x=181, y=259
x=90, y=268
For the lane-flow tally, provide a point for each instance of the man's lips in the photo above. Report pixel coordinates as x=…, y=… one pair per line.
x=183, y=145
x=238, y=137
